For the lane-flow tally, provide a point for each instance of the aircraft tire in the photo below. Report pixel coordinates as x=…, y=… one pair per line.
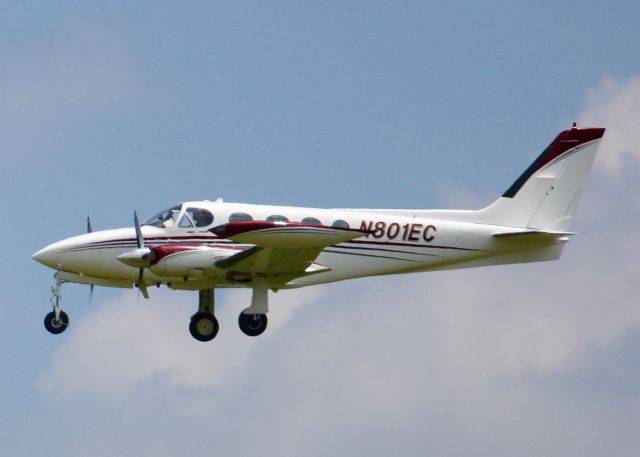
x=54, y=325
x=203, y=326
x=252, y=324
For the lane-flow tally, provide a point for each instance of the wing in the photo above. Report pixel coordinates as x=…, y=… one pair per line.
x=282, y=251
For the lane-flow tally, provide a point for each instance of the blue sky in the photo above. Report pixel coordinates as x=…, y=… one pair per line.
x=111, y=107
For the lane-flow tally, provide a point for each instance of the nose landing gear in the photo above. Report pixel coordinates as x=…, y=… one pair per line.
x=57, y=320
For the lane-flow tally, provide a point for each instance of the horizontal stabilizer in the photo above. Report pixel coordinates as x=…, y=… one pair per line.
x=540, y=234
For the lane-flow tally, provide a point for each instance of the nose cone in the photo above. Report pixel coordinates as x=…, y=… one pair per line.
x=64, y=254
x=47, y=256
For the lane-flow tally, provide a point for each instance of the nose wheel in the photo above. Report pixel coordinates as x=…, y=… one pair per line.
x=56, y=324
x=57, y=320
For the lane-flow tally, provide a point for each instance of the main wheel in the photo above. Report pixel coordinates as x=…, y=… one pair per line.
x=252, y=324
x=54, y=325
x=204, y=326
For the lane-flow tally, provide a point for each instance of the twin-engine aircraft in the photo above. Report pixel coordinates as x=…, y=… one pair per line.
x=204, y=245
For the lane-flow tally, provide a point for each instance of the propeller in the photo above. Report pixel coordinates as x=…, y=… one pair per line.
x=140, y=258
x=89, y=230
x=141, y=286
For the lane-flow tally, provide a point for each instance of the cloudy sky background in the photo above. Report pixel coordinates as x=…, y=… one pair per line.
x=109, y=108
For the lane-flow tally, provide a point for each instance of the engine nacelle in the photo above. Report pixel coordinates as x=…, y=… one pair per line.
x=182, y=260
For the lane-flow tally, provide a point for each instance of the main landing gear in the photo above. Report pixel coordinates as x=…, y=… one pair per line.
x=204, y=325
x=57, y=320
x=252, y=321
x=252, y=324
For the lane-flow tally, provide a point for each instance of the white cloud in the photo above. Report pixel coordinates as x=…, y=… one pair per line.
x=453, y=197
x=615, y=104
x=124, y=344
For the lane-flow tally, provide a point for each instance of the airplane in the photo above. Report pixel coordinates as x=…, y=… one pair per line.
x=205, y=245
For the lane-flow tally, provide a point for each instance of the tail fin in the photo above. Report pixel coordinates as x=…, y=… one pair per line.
x=546, y=195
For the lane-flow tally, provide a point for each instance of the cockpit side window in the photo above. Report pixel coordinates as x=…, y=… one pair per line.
x=165, y=218
x=186, y=221
x=196, y=216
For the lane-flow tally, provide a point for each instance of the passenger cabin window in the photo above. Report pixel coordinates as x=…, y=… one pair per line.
x=239, y=217
x=196, y=217
x=340, y=224
x=165, y=218
x=311, y=220
x=277, y=218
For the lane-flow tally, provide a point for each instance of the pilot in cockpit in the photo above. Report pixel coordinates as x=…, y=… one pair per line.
x=165, y=218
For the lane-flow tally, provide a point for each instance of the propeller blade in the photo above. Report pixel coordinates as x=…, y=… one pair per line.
x=140, y=257
x=89, y=230
x=138, y=231
x=141, y=286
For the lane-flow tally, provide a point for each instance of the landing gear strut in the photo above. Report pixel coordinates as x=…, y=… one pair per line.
x=204, y=325
x=57, y=320
x=253, y=320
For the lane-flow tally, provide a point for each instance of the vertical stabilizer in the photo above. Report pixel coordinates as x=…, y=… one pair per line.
x=546, y=195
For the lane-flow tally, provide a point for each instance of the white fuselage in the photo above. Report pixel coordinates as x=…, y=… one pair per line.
x=399, y=242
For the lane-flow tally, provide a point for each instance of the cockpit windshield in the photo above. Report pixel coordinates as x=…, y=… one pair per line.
x=165, y=218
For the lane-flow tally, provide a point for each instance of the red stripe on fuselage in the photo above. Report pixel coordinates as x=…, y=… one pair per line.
x=413, y=245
